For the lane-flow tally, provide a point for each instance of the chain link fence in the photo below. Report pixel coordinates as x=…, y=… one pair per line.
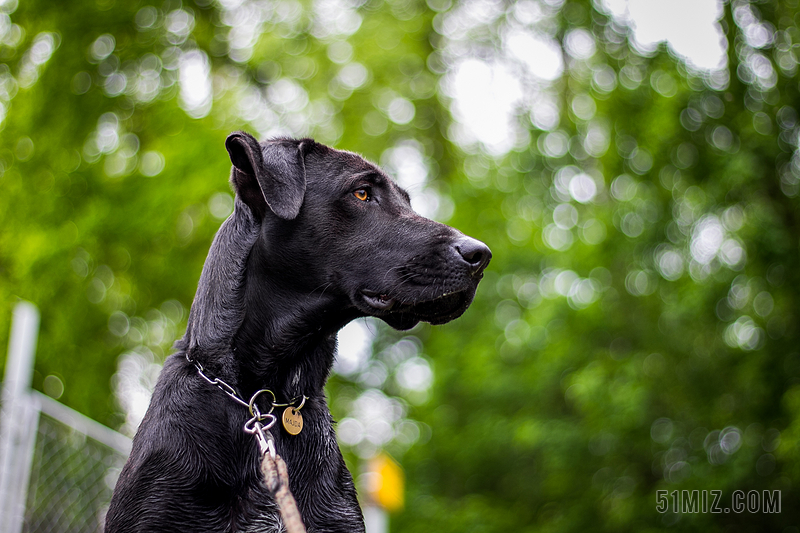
x=58, y=468
x=72, y=477
x=74, y=464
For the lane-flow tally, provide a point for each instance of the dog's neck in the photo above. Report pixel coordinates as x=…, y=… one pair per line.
x=288, y=345
x=251, y=327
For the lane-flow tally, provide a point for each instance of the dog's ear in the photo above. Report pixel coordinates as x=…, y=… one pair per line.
x=270, y=176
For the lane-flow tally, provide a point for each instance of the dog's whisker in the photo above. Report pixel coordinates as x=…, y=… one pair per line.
x=392, y=269
x=324, y=287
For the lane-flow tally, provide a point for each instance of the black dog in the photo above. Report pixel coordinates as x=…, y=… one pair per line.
x=317, y=238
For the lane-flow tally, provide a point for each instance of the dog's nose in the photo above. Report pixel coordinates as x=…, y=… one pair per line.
x=475, y=253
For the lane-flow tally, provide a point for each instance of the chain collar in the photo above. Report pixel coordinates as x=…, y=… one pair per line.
x=254, y=425
x=251, y=405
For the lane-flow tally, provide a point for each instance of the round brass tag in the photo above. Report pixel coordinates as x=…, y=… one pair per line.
x=292, y=420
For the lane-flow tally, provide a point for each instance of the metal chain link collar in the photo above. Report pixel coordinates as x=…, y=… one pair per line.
x=251, y=405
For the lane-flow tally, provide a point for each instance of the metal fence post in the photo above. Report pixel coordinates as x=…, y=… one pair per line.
x=19, y=418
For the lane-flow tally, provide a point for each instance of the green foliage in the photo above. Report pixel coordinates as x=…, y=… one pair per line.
x=639, y=338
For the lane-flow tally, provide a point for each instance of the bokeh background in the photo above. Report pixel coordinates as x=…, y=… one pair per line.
x=634, y=167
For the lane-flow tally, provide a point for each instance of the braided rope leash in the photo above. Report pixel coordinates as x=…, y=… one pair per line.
x=276, y=479
x=276, y=476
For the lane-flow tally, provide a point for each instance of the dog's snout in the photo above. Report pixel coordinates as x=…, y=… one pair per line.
x=475, y=253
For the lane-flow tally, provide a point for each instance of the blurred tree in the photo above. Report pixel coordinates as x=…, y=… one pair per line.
x=643, y=296
x=637, y=330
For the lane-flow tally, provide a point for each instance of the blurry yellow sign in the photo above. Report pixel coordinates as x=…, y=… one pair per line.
x=387, y=490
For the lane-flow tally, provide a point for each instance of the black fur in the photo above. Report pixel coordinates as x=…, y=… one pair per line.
x=299, y=258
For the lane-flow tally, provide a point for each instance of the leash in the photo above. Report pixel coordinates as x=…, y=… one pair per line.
x=273, y=468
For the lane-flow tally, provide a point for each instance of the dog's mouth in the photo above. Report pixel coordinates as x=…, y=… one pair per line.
x=404, y=315
x=381, y=302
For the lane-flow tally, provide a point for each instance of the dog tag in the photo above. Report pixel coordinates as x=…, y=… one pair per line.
x=292, y=420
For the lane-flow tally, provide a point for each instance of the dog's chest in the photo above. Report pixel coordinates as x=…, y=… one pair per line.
x=259, y=514
x=265, y=523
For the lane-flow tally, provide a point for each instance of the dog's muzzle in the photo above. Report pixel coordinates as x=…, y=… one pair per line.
x=456, y=284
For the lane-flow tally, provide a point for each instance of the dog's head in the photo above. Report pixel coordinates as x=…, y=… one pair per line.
x=335, y=226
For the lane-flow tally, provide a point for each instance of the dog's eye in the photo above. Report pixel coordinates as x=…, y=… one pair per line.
x=361, y=194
